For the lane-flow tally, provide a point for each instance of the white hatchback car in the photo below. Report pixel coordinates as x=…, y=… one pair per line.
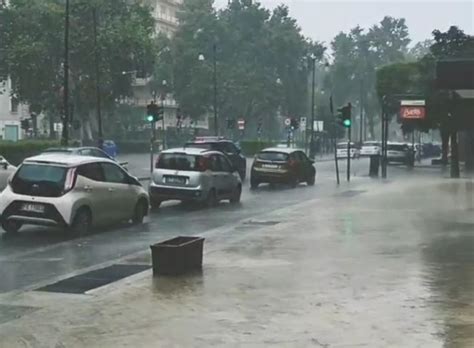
x=342, y=150
x=193, y=174
x=75, y=192
x=370, y=148
x=6, y=170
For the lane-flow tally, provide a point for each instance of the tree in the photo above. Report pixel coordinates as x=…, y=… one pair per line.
x=262, y=64
x=357, y=55
x=34, y=52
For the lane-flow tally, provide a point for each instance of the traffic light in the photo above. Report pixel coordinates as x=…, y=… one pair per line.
x=154, y=112
x=259, y=127
x=345, y=115
x=295, y=124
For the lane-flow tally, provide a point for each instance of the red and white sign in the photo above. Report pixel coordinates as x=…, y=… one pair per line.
x=241, y=124
x=287, y=122
x=412, y=112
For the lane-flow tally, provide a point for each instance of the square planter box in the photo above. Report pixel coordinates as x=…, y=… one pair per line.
x=177, y=256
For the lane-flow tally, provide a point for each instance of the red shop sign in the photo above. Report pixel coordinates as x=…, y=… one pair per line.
x=412, y=112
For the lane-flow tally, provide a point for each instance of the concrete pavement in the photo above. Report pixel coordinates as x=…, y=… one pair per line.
x=376, y=264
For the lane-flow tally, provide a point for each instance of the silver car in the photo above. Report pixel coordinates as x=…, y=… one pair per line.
x=193, y=174
x=74, y=192
x=6, y=170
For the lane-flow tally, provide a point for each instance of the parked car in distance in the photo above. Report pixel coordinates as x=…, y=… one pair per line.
x=84, y=151
x=397, y=152
x=72, y=192
x=370, y=148
x=6, y=170
x=282, y=165
x=225, y=146
x=342, y=150
x=194, y=175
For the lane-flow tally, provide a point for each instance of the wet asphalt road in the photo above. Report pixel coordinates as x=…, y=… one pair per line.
x=39, y=256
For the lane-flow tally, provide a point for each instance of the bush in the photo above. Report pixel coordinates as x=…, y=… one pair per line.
x=251, y=147
x=16, y=152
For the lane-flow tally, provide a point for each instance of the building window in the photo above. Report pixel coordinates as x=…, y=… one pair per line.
x=14, y=104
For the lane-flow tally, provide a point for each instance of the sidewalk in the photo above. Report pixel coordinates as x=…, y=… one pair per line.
x=376, y=265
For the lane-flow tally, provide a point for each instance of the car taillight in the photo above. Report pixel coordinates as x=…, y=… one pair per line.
x=70, y=180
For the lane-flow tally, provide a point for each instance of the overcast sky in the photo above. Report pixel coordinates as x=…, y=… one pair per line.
x=321, y=20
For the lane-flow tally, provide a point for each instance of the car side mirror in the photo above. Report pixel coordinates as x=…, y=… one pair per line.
x=132, y=180
x=5, y=165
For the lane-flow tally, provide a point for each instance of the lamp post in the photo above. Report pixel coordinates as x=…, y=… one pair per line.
x=214, y=63
x=164, y=84
x=65, y=135
x=311, y=146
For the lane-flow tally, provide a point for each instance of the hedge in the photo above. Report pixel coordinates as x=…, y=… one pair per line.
x=16, y=152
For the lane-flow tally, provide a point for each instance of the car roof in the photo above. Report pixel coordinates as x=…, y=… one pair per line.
x=281, y=150
x=67, y=161
x=189, y=151
x=70, y=148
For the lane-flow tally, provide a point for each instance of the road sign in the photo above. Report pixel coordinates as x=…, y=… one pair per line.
x=241, y=124
x=318, y=126
x=412, y=110
x=303, y=123
x=288, y=122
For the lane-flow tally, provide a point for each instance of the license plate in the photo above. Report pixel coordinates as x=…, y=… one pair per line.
x=33, y=208
x=175, y=180
x=270, y=166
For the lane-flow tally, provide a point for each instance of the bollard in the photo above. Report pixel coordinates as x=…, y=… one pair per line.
x=374, y=166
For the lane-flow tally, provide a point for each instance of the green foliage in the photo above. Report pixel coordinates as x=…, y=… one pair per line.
x=16, y=152
x=261, y=59
x=358, y=54
x=33, y=44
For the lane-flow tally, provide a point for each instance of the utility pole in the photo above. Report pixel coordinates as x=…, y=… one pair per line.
x=65, y=135
x=331, y=108
x=97, y=80
x=361, y=105
x=216, y=124
x=313, y=84
x=349, y=139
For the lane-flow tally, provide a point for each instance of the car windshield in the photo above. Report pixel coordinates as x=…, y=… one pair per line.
x=205, y=146
x=273, y=156
x=177, y=161
x=371, y=143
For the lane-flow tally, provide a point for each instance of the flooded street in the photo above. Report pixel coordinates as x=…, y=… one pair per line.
x=372, y=264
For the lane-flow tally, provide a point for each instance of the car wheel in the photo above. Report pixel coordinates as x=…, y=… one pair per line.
x=311, y=180
x=140, y=212
x=211, y=200
x=82, y=223
x=235, y=199
x=253, y=183
x=11, y=227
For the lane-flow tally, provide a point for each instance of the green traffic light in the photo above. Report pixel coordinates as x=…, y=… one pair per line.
x=150, y=118
x=347, y=123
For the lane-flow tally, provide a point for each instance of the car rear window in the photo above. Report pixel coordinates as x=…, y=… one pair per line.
x=397, y=147
x=273, y=156
x=39, y=180
x=205, y=146
x=177, y=161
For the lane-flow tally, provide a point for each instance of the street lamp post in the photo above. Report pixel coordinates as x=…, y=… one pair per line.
x=97, y=81
x=214, y=63
x=311, y=146
x=164, y=83
x=65, y=135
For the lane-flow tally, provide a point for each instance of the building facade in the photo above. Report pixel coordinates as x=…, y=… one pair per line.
x=11, y=114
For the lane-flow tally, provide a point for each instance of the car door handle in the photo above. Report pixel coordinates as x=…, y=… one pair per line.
x=111, y=189
x=87, y=188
